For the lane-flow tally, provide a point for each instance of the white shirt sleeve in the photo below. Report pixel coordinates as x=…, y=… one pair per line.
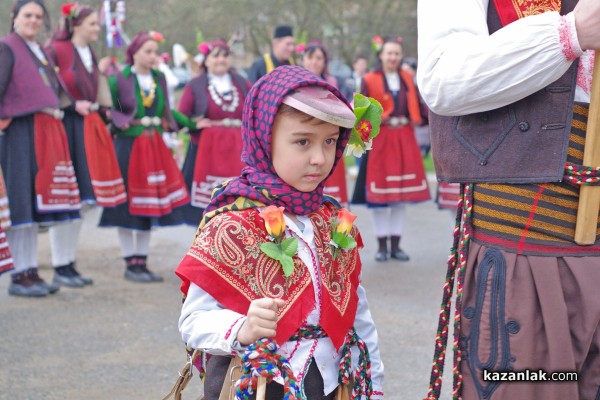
x=463, y=69
x=207, y=325
x=365, y=328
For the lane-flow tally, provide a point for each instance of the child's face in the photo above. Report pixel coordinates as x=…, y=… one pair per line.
x=303, y=149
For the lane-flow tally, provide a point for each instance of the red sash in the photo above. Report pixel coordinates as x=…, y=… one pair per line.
x=4, y=209
x=511, y=10
x=105, y=174
x=395, y=170
x=218, y=159
x=335, y=185
x=55, y=183
x=6, y=261
x=155, y=184
x=225, y=261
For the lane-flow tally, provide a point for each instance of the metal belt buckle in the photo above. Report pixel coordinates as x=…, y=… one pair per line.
x=156, y=121
x=146, y=121
x=398, y=121
x=58, y=114
x=94, y=107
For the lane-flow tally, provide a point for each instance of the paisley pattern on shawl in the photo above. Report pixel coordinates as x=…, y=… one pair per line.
x=225, y=260
x=512, y=10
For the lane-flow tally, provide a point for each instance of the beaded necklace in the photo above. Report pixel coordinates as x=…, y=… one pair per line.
x=231, y=96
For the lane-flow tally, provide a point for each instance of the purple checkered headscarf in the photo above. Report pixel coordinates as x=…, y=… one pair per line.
x=258, y=180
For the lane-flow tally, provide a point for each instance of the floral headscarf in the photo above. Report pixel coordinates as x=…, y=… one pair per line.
x=259, y=184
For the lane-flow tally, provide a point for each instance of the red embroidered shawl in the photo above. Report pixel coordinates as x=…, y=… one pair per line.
x=225, y=260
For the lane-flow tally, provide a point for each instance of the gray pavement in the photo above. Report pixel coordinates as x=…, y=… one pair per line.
x=119, y=340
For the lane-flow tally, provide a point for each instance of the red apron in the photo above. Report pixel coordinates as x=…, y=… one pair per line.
x=395, y=170
x=107, y=182
x=335, y=185
x=4, y=209
x=55, y=183
x=155, y=184
x=6, y=261
x=218, y=159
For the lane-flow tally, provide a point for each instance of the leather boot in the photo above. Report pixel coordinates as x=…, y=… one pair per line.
x=382, y=252
x=396, y=252
x=50, y=287
x=22, y=285
x=63, y=276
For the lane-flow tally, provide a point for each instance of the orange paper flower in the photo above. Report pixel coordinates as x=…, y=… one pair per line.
x=274, y=221
x=345, y=221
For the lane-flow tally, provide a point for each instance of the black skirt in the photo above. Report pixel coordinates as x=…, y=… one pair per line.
x=73, y=123
x=191, y=215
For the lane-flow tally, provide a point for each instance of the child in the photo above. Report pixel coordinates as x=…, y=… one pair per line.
x=295, y=128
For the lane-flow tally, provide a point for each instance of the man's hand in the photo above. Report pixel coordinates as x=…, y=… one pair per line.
x=261, y=320
x=587, y=22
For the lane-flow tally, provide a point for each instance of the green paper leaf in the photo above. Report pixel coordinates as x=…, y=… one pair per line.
x=290, y=246
x=337, y=237
x=272, y=250
x=361, y=104
x=351, y=243
x=287, y=264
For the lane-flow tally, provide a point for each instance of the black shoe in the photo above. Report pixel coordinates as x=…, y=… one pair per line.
x=35, y=278
x=381, y=256
x=26, y=288
x=400, y=255
x=84, y=279
x=137, y=276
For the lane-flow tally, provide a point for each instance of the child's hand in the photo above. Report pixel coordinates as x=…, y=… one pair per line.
x=261, y=320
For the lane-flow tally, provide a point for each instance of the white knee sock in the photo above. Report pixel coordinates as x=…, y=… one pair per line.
x=74, y=230
x=60, y=244
x=382, y=221
x=22, y=241
x=126, y=241
x=398, y=215
x=142, y=243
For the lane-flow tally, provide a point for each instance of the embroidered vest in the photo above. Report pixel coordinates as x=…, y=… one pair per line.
x=496, y=146
x=28, y=78
x=376, y=88
x=80, y=84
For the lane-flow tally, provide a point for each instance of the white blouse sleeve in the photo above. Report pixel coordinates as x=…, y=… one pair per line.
x=206, y=325
x=463, y=69
x=365, y=328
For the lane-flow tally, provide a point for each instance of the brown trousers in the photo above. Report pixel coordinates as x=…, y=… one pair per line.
x=530, y=312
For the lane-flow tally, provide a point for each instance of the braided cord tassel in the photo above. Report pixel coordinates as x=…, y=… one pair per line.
x=261, y=359
x=363, y=386
x=578, y=175
x=441, y=339
x=463, y=248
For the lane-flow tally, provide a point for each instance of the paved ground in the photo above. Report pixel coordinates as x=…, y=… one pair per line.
x=119, y=340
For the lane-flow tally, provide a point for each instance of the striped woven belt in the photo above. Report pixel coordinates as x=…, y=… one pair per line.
x=535, y=219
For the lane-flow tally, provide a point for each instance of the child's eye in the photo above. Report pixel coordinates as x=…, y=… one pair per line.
x=302, y=142
x=331, y=141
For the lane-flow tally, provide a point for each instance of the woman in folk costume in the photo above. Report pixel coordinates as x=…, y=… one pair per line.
x=295, y=128
x=214, y=101
x=90, y=143
x=34, y=153
x=155, y=187
x=392, y=173
x=315, y=58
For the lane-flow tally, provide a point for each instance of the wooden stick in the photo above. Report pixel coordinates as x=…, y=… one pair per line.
x=589, y=196
x=261, y=388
